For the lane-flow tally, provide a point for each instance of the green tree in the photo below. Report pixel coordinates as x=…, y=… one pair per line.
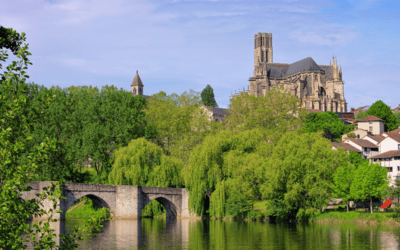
x=144, y=163
x=15, y=176
x=277, y=111
x=342, y=180
x=207, y=97
x=397, y=115
x=327, y=122
x=381, y=110
x=178, y=123
x=370, y=180
x=299, y=175
x=10, y=39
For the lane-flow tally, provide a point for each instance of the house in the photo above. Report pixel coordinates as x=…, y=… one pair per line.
x=391, y=161
x=215, y=113
x=391, y=142
x=396, y=109
x=367, y=148
x=358, y=133
x=375, y=139
x=371, y=123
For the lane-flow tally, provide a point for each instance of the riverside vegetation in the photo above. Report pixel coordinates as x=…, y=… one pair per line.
x=268, y=150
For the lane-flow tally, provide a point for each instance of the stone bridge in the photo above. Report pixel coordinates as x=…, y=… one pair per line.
x=126, y=202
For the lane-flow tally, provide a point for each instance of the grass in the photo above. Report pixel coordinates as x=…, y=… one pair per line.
x=358, y=217
x=83, y=207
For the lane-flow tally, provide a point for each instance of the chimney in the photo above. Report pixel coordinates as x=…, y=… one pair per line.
x=352, y=109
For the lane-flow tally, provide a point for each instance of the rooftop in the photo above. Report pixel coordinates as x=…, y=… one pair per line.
x=369, y=118
x=364, y=143
x=388, y=154
x=345, y=146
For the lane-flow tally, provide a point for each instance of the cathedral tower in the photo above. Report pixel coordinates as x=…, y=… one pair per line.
x=262, y=48
x=137, y=85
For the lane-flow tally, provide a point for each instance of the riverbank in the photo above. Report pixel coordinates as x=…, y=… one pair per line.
x=358, y=217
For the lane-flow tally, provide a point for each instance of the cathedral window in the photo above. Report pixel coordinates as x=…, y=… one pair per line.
x=315, y=77
x=262, y=56
x=134, y=91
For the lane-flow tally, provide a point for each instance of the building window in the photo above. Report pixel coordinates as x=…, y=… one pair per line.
x=262, y=56
x=370, y=122
x=398, y=168
x=370, y=129
x=397, y=157
x=374, y=149
x=358, y=136
x=134, y=91
x=398, y=146
x=315, y=78
x=375, y=160
x=389, y=159
x=390, y=169
x=365, y=149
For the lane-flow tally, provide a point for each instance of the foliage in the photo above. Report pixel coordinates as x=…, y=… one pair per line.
x=356, y=216
x=88, y=124
x=144, y=163
x=359, y=114
x=225, y=164
x=369, y=181
x=10, y=39
x=207, y=97
x=15, y=174
x=299, y=174
x=277, y=111
x=342, y=180
x=381, y=110
x=327, y=122
x=397, y=115
x=178, y=124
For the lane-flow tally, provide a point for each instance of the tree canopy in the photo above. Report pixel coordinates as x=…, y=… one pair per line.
x=381, y=110
x=329, y=123
x=207, y=97
x=10, y=39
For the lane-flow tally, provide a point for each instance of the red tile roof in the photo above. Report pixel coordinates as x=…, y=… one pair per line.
x=394, y=136
x=377, y=138
x=363, y=143
x=369, y=118
x=388, y=154
x=345, y=146
x=397, y=131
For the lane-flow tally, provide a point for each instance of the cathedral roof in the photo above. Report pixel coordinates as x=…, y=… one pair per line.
x=136, y=80
x=307, y=64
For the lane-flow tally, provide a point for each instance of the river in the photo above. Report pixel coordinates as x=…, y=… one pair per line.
x=211, y=234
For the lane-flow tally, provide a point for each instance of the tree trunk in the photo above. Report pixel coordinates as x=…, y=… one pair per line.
x=348, y=203
x=370, y=204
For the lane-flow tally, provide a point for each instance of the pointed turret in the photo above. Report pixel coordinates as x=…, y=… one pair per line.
x=137, y=85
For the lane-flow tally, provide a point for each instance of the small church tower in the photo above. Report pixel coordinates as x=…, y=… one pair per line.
x=137, y=85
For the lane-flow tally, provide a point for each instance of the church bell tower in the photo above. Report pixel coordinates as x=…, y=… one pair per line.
x=137, y=85
x=262, y=48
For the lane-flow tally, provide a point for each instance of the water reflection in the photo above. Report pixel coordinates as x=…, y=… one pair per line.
x=210, y=234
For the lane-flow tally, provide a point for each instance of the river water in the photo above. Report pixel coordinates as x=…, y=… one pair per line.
x=212, y=234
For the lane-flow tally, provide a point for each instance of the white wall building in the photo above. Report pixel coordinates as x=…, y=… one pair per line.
x=371, y=124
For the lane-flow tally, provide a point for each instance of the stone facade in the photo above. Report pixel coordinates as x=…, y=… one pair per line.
x=317, y=86
x=126, y=202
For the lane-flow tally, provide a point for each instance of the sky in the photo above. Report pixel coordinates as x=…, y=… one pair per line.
x=178, y=45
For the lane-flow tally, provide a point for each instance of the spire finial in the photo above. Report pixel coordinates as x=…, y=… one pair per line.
x=137, y=72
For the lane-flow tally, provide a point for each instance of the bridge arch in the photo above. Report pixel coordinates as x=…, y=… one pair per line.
x=171, y=209
x=98, y=201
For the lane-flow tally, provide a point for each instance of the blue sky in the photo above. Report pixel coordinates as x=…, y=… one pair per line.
x=179, y=45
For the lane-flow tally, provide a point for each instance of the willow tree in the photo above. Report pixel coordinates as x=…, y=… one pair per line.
x=230, y=166
x=143, y=163
x=299, y=175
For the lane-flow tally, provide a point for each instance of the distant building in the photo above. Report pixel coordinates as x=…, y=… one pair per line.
x=371, y=124
x=137, y=87
x=319, y=87
x=215, y=113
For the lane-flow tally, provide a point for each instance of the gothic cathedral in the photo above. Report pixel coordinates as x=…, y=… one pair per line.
x=318, y=86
